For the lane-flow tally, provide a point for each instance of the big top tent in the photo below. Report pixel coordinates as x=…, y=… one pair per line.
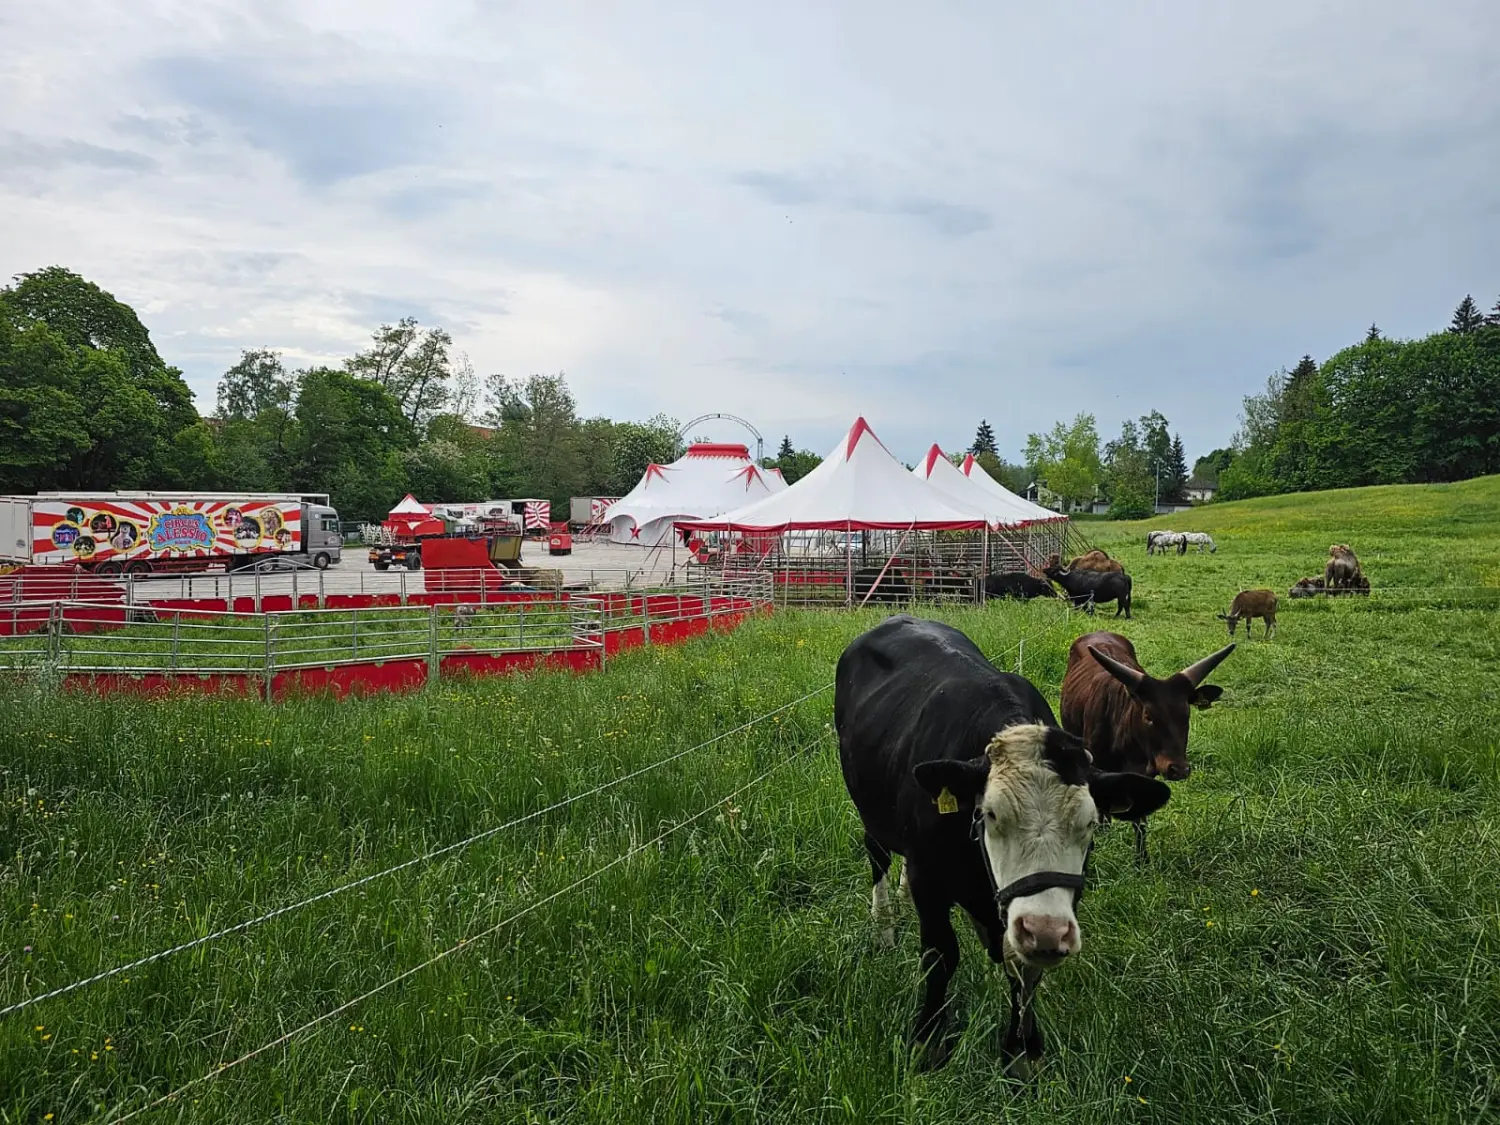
x=859, y=486
x=707, y=480
x=1002, y=507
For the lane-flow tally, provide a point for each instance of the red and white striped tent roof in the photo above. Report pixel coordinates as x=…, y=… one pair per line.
x=859, y=486
x=1002, y=509
x=710, y=478
x=1028, y=511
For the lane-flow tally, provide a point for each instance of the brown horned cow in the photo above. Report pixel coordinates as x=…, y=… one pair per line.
x=1095, y=560
x=1248, y=605
x=1129, y=720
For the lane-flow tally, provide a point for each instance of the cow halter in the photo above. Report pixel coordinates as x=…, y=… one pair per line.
x=1031, y=884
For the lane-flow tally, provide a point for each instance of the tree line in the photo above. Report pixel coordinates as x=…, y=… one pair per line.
x=1379, y=412
x=87, y=403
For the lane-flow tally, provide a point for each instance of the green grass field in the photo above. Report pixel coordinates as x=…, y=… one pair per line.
x=1317, y=938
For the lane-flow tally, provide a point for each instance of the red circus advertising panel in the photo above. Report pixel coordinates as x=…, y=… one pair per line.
x=88, y=531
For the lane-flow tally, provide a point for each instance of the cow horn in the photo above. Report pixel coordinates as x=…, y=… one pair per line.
x=1130, y=677
x=1197, y=673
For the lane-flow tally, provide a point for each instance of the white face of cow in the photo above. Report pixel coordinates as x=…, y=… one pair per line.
x=1035, y=821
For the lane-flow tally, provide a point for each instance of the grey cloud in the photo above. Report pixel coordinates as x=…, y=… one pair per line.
x=22, y=153
x=326, y=132
x=789, y=190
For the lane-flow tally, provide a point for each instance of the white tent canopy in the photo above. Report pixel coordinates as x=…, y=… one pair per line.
x=411, y=506
x=944, y=475
x=707, y=480
x=1026, y=510
x=859, y=486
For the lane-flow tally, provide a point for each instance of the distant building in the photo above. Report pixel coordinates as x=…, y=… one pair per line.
x=1200, y=491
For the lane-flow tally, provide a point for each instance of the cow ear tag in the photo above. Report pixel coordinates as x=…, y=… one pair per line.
x=947, y=802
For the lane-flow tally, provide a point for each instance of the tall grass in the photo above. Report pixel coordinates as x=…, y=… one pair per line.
x=1317, y=937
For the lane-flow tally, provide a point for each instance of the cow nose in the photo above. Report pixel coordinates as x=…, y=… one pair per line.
x=1045, y=937
x=1178, y=771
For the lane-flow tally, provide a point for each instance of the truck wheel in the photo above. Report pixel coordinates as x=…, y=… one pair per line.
x=414, y=561
x=321, y=560
x=382, y=565
x=109, y=569
x=139, y=567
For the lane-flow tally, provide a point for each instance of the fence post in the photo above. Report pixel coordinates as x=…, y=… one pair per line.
x=646, y=617
x=54, y=633
x=176, y=636
x=322, y=602
x=257, y=590
x=270, y=663
x=354, y=634
x=402, y=577
x=1021, y=657
x=434, y=665
x=521, y=625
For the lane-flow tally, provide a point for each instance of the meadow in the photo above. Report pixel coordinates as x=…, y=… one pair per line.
x=1316, y=938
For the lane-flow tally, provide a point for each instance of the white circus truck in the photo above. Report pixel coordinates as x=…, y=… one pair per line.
x=167, y=532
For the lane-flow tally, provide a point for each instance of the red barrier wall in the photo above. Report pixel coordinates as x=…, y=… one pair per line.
x=351, y=679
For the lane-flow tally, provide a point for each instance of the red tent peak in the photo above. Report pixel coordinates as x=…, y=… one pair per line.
x=655, y=470
x=934, y=455
x=857, y=431
x=968, y=463
x=719, y=449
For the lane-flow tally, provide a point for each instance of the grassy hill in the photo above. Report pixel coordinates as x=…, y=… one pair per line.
x=1404, y=534
x=1315, y=939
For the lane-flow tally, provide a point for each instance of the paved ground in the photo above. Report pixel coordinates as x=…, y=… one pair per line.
x=602, y=565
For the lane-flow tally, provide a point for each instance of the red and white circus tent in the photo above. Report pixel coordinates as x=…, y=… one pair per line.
x=706, y=481
x=859, y=486
x=1028, y=511
x=1002, y=508
x=411, y=518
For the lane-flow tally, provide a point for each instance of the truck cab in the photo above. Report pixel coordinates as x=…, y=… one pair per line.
x=321, y=540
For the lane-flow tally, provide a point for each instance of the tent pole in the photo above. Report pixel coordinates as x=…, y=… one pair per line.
x=984, y=566
x=848, y=564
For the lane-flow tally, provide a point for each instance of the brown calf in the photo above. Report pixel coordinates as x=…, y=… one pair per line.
x=1248, y=605
x=1342, y=569
x=1129, y=720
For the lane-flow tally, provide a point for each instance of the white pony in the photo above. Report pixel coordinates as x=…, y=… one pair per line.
x=1199, y=539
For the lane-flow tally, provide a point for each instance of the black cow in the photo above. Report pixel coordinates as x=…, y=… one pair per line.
x=1017, y=584
x=1090, y=587
x=963, y=771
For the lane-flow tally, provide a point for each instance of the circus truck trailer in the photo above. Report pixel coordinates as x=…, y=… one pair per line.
x=167, y=532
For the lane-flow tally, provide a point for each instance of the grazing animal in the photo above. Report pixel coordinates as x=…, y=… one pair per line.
x=962, y=770
x=1017, y=584
x=1342, y=568
x=1089, y=587
x=1248, y=605
x=1130, y=720
x=1090, y=560
x=463, y=617
x=1160, y=542
x=1199, y=539
x=1306, y=588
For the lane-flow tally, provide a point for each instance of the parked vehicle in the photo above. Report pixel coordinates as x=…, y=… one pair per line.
x=167, y=532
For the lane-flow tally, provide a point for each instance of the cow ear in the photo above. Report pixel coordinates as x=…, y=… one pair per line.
x=964, y=780
x=1206, y=696
x=1128, y=796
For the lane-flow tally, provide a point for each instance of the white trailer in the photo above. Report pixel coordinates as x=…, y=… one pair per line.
x=167, y=532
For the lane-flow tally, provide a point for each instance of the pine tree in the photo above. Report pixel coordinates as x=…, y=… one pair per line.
x=984, y=441
x=1466, y=318
x=1372, y=335
x=786, y=449
x=1494, y=318
x=1174, y=486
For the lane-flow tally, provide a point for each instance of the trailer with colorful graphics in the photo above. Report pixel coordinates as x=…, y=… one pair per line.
x=167, y=532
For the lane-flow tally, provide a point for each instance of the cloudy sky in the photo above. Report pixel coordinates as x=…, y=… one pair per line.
x=797, y=212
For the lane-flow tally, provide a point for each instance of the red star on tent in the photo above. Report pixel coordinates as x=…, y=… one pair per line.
x=635, y=532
